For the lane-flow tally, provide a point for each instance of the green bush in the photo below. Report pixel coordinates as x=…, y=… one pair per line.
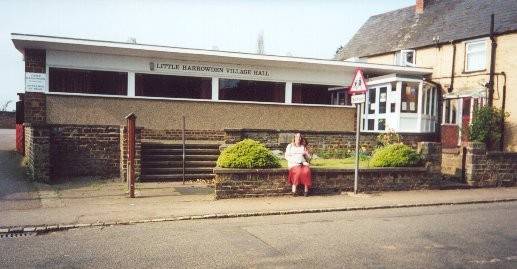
x=486, y=125
x=395, y=155
x=247, y=153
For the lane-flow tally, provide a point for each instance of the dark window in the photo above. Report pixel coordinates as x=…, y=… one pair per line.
x=447, y=104
x=392, y=107
x=433, y=97
x=247, y=90
x=312, y=94
x=409, y=98
x=381, y=125
x=173, y=86
x=383, y=97
x=87, y=81
x=371, y=123
x=428, y=101
x=371, y=101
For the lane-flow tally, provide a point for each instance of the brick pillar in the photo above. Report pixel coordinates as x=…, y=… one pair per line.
x=37, y=149
x=432, y=155
x=123, y=152
x=475, y=164
x=35, y=61
x=35, y=108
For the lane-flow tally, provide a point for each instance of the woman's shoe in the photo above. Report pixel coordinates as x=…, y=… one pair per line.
x=305, y=193
x=294, y=194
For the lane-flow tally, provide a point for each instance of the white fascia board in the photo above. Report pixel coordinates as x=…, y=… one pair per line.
x=22, y=41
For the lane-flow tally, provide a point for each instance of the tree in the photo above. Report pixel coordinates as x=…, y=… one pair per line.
x=5, y=105
x=260, y=43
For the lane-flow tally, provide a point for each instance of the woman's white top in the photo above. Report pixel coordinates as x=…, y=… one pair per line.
x=295, y=155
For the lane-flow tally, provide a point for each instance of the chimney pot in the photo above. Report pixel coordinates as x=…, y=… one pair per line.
x=419, y=7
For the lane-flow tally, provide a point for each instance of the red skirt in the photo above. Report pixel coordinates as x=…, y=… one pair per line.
x=300, y=174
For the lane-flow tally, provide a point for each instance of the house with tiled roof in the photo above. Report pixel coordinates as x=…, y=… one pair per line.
x=471, y=46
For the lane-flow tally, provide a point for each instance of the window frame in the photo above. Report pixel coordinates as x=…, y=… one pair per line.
x=401, y=58
x=468, y=44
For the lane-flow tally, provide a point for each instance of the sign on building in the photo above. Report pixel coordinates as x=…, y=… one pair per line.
x=35, y=81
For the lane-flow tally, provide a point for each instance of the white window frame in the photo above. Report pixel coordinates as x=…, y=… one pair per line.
x=401, y=58
x=468, y=51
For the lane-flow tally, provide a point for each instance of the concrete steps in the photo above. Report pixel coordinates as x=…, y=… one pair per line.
x=164, y=161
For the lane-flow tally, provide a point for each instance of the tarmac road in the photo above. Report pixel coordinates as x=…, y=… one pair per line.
x=460, y=236
x=16, y=192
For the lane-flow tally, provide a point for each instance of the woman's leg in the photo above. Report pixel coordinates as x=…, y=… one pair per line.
x=293, y=188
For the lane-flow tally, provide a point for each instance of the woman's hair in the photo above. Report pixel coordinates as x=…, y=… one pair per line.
x=303, y=140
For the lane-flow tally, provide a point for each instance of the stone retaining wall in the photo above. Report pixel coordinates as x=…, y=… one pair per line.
x=231, y=183
x=489, y=169
x=452, y=163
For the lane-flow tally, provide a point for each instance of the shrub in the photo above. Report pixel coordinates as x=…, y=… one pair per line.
x=247, y=153
x=395, y=155
x=486, y=125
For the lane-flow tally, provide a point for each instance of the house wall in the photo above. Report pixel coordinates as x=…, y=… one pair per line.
x=440, y=60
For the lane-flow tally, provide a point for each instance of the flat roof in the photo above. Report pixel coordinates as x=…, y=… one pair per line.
x=23, y=41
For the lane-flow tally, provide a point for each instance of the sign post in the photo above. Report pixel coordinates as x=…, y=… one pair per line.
x=358, y=88
x=131, y=118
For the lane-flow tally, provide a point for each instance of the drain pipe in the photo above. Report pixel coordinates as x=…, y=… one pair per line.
x=451, y=87
x=492, y=63
x=503, y=107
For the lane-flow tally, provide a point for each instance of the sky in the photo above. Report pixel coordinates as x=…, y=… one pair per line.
x=313, y=29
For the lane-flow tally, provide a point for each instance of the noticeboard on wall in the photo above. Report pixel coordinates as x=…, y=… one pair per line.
x=35, y=81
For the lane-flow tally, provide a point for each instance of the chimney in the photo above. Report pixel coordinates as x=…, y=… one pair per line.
x=420, y=5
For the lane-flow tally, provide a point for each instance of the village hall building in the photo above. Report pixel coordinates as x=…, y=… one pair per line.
x=71, y=114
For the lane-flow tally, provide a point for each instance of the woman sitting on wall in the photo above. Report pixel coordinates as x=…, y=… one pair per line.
x=297, y=155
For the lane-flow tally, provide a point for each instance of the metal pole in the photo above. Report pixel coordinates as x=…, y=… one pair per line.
x=183, y=141
x=356, y=174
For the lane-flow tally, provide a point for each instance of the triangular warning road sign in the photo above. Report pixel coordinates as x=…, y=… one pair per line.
x=358, y=84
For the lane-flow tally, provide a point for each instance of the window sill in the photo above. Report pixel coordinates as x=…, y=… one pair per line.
x=473, y=71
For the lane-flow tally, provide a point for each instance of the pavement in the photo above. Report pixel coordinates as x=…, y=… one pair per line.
x=84, y=202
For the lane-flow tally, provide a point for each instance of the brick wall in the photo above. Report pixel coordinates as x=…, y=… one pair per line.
x=35, y=61
x=489, y=169
x=231, y=183
x=171, y=134
x=37, y=144
x=331, y=141
x=7, y=120
x=84, y=150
